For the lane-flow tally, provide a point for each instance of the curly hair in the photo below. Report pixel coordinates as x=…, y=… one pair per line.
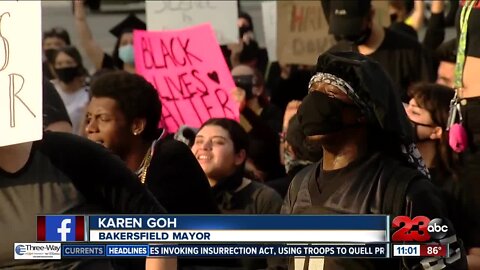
x=135, y=96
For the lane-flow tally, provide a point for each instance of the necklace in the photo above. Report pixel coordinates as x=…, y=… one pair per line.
x=142, y=170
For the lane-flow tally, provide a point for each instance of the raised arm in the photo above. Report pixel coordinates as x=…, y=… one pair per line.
x=417, y=16
x=92, y=49
x=436, y=27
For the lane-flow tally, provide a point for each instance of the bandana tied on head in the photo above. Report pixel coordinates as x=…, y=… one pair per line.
x=372, y=91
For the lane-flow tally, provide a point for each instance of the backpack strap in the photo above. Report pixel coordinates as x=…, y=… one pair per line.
x=396, y=190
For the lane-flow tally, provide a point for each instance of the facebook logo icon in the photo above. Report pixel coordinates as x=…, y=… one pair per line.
x=64, y=230
x=60, y=228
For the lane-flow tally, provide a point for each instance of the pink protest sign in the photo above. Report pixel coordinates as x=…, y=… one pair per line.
x=189, y=72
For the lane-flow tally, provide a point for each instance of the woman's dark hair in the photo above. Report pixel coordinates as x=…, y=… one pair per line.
x=135, y=96
x=238, y=135
x=75, y=54
x=117, y=62
x=57, y=32
x=247, y=17
x=435, y=98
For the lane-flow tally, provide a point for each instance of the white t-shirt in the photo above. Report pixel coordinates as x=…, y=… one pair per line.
x=75, y=103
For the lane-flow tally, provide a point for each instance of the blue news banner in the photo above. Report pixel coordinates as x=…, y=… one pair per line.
x=225, y=250
x=222, y=235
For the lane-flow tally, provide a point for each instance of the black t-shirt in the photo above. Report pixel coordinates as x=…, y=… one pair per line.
x=177, y=180
x=359, y=188
x=65, y=174
x=53, y=107
x=402, y=57
x=47, y=73
x=282, y=90
x=470, y=199
x=273, y=117
x=456, y=200
x=108, y=63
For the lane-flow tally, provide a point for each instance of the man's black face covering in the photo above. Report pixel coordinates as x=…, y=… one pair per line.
x=320, y=114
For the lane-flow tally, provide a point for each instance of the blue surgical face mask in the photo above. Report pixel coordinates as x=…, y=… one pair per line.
x=126, y=54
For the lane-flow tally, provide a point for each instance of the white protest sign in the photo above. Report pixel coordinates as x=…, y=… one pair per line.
x=20, y=72
x=174, y=15
x=269, y=14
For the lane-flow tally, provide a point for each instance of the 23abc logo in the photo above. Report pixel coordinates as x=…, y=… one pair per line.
x=418, y=229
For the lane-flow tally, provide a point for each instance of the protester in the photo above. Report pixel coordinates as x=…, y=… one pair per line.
x=290, y=112
x=49, y=177
x=446, y=55
x=251, y=81
x=353, y=114
x=71, y=84
x=400, y=19
x=123, y=116
x=122, y=56
x=247, y=51
x=296, y=156
x=55, y=116
x=428, y=112
x=467, y=87
x=404, y=59
x=262, y=121
x=221, y=147
x=53, y=39
x=286, y=83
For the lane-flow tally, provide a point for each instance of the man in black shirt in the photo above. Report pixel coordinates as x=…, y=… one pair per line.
x=55, y=116
x=65, y=174
x=353, y=25
x=355, y=117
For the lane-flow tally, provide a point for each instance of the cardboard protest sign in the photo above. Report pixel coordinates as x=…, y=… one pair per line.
x=172, y=15
x=189, y=71
x=20, y=72
x=302, y=32
x=269, y=15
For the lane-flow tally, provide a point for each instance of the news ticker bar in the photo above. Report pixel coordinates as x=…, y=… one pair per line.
x=215, y=228
x=58, y=251
x=384, y=250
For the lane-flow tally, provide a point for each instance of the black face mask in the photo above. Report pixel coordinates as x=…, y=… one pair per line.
x=67, y=75
x=358, y=39
x=244, y=29
x=415, y=131
x=50, y=55
x=320, y=114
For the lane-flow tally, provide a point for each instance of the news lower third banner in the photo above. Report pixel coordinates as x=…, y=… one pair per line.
x=236, y=229
x=55, y=251
x=215, y=229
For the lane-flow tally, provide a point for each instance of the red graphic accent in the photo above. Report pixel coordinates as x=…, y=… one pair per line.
x=477, y=4
x=433, y=250
x=79, y=228
x=41, y=229
x=406, y=233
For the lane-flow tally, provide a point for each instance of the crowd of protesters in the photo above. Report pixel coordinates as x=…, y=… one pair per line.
x=384, y=123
